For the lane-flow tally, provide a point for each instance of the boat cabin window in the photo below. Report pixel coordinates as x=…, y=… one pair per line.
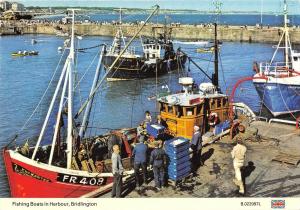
x=225, y=102
x=188, y=111
x=212, y=104
x=178, y=111
x=219, y=103
x=295, y=58
x=170, y=109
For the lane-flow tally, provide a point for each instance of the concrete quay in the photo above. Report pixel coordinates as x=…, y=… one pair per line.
x=182, y=32
x=263, y=177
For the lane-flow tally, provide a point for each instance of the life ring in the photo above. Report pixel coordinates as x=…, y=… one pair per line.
x=213, y=119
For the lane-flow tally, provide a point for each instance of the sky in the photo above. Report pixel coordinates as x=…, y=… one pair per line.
x=228, y=5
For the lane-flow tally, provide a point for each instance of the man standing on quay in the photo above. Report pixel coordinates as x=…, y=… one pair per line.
x=117, y=170
x=238, y=154
x=157, y=160
x=140, y=161
x=196, y=146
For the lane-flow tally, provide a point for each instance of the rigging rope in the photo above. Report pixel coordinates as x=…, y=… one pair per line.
x=87, y=48
x=222, y=70
x=44, y=94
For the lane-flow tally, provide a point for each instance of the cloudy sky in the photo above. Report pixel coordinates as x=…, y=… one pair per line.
x=228, y=5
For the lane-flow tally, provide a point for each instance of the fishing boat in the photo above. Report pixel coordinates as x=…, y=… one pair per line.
x=24, y=53
x=278, y=83
x=71, y=165
x=158, y=58
x=203, y=105
x=205, y=50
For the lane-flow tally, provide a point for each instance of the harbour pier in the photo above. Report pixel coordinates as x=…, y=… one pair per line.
x=263, y=34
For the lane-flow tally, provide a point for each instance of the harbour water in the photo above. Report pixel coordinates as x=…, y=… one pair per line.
x=23, y=81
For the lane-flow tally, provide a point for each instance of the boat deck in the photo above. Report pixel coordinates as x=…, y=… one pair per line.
x=263, y=177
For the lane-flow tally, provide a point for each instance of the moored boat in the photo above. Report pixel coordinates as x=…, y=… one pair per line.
x=279, y=90
x=24, y=53
x=158, y=58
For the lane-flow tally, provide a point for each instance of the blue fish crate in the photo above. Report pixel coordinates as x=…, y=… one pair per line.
x=177, y=167
x=178, y=161
x=155, y=129
x=222, y=127
x=178, y=175
x=176, y=143
x=178, y=155
x=171, y=150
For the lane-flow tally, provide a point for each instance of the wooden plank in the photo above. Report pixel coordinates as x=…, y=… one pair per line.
x=287, y=158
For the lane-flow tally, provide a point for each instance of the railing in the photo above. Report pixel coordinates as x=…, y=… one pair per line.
x=274, y=68
x=130, y=50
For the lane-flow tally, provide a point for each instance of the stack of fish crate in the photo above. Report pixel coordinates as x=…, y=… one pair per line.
x=179, y=165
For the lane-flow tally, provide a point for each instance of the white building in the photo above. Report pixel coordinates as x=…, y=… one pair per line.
x=15, y=6
x=5, y=5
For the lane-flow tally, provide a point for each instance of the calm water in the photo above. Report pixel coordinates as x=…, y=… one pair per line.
x=234, y=19
x=118, y=104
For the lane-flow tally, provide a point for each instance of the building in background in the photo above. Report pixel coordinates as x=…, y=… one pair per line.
x=5, y=5
x=15, y=6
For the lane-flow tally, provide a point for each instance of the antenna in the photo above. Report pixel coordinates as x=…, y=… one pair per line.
x=218, y=11
x=261, y=11
x=120, y=10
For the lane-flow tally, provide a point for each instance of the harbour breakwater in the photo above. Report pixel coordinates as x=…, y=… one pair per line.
x=183, y=32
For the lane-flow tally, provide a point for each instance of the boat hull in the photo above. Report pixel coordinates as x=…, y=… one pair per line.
x=133, y=68
x=27, y=179
x=279, y=98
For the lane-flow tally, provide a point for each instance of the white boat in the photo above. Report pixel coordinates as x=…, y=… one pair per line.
x=278, y=83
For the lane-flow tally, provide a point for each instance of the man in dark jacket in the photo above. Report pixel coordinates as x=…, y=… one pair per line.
x=157, y=160
x=139, y=154
x=117, y=170
x=196, y=146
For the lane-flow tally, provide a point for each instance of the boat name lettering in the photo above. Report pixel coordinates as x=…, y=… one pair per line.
x=72, y=179
x=20, y=170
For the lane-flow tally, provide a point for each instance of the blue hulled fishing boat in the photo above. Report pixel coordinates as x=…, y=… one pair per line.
x=278, y=83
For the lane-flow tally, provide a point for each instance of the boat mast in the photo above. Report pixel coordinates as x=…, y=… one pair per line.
x=63, y=74
x=286, y=32
x=67, y=77
x=70, y=94
x=215, y=75
x=88, y=108
x=216, y=62
x=261, y=11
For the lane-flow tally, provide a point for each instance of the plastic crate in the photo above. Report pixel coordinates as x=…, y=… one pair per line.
x=179, y=167
x=179, y=160
x=176, y=142
x=178, y=155
x=179, y=174
x=155, y=129
x=172, y=150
